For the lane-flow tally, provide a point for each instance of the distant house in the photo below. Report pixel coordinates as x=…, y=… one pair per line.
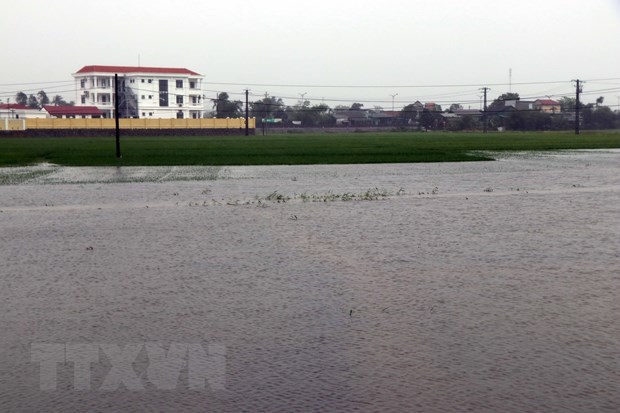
x=433, y=107
x=16, y=111
x=448, y=119
x=144, y=92
x=384, y=117
x=82, y=112
x=474, y=113
x=350, y=117
x=547, y=105
x=519, y=104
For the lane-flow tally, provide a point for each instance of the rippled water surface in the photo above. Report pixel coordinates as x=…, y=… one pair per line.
x=485, y=287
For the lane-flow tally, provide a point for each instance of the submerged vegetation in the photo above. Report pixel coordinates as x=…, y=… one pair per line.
x=275, y=197
x=299, y=149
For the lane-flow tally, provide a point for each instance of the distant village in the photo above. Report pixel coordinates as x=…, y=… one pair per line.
x=164, y=93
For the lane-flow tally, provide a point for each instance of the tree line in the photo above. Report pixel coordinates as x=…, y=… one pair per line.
x=593, y=115
x=36, y=101
x=271, y=107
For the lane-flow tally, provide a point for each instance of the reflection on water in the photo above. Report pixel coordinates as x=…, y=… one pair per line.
x=483, y=287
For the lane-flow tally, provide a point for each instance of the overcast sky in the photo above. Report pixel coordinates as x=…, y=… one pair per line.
x=266, y=45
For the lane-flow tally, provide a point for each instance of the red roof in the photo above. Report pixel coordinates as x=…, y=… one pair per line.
x=73, y=110
x=549, y=102
x=14, y=106
x=137, y=69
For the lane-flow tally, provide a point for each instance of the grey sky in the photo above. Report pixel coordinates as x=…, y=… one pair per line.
x=272, y=43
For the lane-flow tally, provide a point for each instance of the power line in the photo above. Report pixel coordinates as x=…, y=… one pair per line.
x=36, y=83
x=400, y=86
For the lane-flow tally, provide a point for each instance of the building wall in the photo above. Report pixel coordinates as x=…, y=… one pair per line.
x=22, y=114
x=550, y=108
x=125, y=124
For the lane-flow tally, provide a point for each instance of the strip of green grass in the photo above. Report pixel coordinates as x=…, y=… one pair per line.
x=290, y=149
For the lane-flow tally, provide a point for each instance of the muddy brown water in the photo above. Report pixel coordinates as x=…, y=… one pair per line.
x=485, y=287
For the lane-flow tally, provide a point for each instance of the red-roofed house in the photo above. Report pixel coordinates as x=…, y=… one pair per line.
x=144, y=92
x=433, y=107
x=547, y=105
x=85, y=112
x=16, y=111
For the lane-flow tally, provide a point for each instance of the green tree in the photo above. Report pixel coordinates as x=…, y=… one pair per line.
x=33, y=102
x=225, y=108
x=409, y=113
x=468, y=122
x=430, y=119
x=60, y=101
x=498, y=104
x=21, y=98
x=567, y=104
x=357, y=106
x=529, y=121
x=455, y=106
x=268, y=107
x=599, y=117
x=317, y=115
x=42, y=98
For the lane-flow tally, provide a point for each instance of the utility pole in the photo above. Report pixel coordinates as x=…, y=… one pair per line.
x=393, y=96
x=303, y=102
x=247, y=112
x=484, y=110
x=578, y=84
x=116, y=106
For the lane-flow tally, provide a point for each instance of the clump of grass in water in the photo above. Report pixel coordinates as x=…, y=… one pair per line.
x=275, y=196
x=373, y=194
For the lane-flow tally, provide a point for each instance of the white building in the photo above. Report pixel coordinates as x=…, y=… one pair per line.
x=144, y=92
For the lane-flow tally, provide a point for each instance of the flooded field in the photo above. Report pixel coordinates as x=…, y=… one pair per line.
x=483, y=287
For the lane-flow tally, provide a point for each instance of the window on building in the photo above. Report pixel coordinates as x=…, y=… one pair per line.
x=194, y=100
x=83, y=83
x=83, y=100
x=150, y=113
x=179, y=84
x=142, y=97
x=150, y=96
x=179, y=99
x=163, y=92
x=192, y=84
x=143, y=114
x=194, y=115
x=180, y=114
x=142, y=80
x=151, y=80
x=132, y=80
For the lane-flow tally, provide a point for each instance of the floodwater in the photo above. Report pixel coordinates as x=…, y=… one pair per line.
x=483, y=287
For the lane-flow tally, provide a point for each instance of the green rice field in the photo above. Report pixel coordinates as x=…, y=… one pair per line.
x=292, y=149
